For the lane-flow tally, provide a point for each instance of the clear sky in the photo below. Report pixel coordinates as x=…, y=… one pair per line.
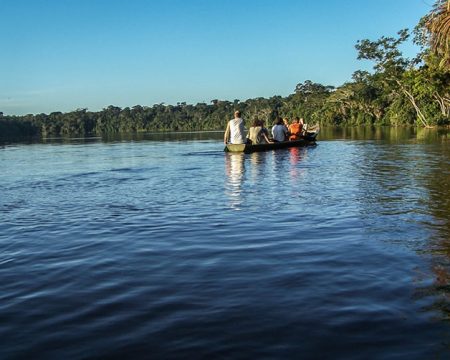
x=60, y=55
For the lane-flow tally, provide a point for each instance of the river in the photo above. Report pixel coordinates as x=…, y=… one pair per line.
x=163, y=246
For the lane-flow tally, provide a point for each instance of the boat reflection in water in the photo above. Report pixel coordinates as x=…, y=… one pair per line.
x=234, y=168
x=297, y=170
x=278, y=167
x=258, y=168
x=295, y=156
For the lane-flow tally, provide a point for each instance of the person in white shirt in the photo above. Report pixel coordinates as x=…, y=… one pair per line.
x=279, y=131
x=235, y=131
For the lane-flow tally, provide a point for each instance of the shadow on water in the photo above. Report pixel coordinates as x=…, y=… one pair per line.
x=205, y=153
x=437, y=183
x=407, y=178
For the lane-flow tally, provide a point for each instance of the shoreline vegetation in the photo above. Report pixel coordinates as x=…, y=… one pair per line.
x=398, y=92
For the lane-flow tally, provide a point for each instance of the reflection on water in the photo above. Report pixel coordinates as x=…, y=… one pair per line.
x=296, y=155
x=385, y=134
x=234, y=170
x=264, y=174
x=258, y=166
x=164, y=136
x=122, y=137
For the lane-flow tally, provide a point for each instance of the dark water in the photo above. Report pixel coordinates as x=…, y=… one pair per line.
x=166, y=247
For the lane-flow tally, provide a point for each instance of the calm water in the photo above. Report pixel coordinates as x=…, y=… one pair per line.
x=166, y=247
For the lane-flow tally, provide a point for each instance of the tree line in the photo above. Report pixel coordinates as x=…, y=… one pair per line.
x=399, y=91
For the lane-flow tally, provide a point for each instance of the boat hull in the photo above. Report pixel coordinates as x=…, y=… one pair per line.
x=247, y=148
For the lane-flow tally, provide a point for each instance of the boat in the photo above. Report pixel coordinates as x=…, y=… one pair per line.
x=309, y=138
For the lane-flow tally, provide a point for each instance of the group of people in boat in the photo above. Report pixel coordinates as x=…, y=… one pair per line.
x=282, y=130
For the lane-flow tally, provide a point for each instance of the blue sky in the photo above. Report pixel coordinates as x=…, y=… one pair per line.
x=60, y=55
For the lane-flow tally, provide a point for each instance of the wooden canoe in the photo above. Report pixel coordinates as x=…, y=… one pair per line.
x=308, y=139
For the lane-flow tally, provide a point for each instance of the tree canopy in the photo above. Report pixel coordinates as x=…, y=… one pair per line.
x=438, y=26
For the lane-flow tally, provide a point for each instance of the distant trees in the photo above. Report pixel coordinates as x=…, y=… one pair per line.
x=399, y=91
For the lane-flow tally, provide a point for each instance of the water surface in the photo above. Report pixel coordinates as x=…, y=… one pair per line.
x=164, y=246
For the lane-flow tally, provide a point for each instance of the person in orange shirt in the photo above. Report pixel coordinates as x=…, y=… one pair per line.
x=295, y=129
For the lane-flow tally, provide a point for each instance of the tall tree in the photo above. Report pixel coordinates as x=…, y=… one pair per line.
x=438, y=24
x=392, y=66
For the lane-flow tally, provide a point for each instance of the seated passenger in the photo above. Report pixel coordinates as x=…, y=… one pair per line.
x=304, y=126
x=295, y=129
x=265, y=133
x=279, y=131
x=234, y=133
x=257, y=134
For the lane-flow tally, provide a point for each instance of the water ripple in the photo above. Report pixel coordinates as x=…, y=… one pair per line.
x=333, y=251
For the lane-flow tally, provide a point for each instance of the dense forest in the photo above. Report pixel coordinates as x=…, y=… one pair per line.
x=399, y=91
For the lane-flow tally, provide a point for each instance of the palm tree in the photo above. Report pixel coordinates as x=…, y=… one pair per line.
x=438, y=24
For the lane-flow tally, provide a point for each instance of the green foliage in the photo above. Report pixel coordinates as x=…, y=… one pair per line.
x=437, y=24
x=420, y=81
x=12, y=127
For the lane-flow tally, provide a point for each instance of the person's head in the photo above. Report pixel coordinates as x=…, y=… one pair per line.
x=286, y=121
x=279, y=121
x=256, y=122
x=296, y=120
x=237, y=114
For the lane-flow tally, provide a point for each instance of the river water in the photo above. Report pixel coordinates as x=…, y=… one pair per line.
x=164, y=246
